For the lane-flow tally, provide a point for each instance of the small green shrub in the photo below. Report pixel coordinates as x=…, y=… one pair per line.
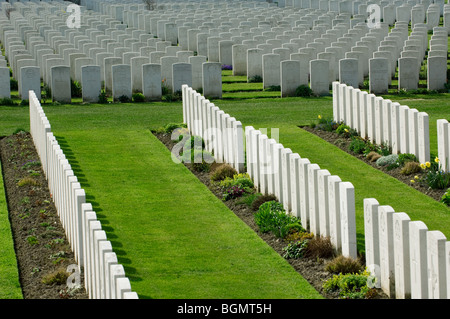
x=446, y=198
x=7, y=102
x=75, y=88
x=32, y=240
x=410, y=168
x=103, y=97
x=303, y=91
x=255, y=79
x=261, y=200
x=13, y=84
x=344, y=265
x=124, y=99
x=169, y=128
x=233, y=192
x=138, y=97
x=273, y=88
x=406, y=157
x=350, y=286
x=357, y=145
x=295, y=250
x=271, y=217
x=222, y=172
x=201, y=160
x=387, y=160
x=343, y=129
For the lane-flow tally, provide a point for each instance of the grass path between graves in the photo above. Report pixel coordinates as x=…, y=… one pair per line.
x=9, y=275
x=174, y=238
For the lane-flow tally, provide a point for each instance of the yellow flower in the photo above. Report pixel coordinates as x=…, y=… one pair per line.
x=436, y=160
x=346, y=130
x=412, y=181
x=320, y=117
x=428, y=164
x=416, y=177
x=423, y=166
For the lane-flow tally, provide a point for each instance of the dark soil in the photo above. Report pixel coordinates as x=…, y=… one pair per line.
x=312, y=269
x=343, y=144
x=39, y=239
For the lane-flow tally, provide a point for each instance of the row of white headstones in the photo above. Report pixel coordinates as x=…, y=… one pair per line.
x=273, y=46
x=33, y=46
x=407, y=260
x=104, y=277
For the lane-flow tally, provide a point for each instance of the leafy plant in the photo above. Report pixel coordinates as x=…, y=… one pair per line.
x=103, y=97
x=255, y=79
x=446, y=198
x=350, y=286
x=7, y=102
x=169, y=128
x=13, y=84
x=357, y=145
x=271, y=217
x=303, y=91
x=138, y=97
x=32, y=240
x=75, y=88
x=233, y=192
x=295, y=250
x=437, y=179
x=343, y=129
x=406, y=157
x=123, y=99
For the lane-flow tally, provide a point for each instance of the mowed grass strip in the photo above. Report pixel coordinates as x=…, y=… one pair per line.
x=286, y=114
x=9, y=274
x=173, y=236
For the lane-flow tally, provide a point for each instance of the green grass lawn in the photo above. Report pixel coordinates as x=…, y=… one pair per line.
x=9, y=275
x=174, y=237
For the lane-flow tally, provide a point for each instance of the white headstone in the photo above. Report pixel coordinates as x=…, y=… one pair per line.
x=378, y=75
x=5, y=86
x=401, y=256
x=60, y=85
x=290, y=77
x=436, y=262
x=385, y=214
x=319, y=79
x=348, y=223
x=136, y=72
x=271, y=70
x=418, y=259
x=212, y=80
x=91, y=83
x=181, y=74
x=349, y=72
x=151, y=81
x=121, y=81
x=436, y=73
x=30, y=81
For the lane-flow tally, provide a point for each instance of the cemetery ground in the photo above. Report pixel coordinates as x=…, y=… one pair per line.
x=173, y=236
